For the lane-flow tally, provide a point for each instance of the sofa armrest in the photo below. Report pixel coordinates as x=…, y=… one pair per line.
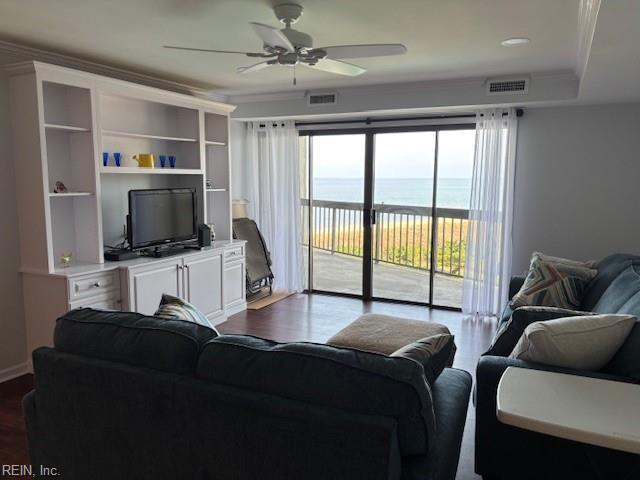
x=515, y=284
x=501, y=450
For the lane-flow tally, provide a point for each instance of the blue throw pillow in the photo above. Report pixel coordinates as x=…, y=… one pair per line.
x=626, y=361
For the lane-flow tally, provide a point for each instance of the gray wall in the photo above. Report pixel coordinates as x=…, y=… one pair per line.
x=12, y=329
x=238, y=160
x=577, y=182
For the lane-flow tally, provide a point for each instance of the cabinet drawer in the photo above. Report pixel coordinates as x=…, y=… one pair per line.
x=233, y=253
x=93, y=284
x=102, y=302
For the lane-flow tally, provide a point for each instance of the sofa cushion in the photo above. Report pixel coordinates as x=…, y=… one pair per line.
x=608, y=269
x=554, y=282
x=509, y=332
x=623, y=287
x=581, y=343
x=347, y=379
x=161, y=344
x=626, y=361
x=433, y=353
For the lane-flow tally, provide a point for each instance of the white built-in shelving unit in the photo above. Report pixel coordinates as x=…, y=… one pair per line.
x=63, y=121
x=217, y=166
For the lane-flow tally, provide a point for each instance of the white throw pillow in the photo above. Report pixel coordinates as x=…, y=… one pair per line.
x=581, y=343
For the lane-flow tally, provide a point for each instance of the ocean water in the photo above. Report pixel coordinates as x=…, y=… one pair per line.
x=451, y=193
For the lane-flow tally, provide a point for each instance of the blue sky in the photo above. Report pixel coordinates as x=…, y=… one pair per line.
x=398, y=155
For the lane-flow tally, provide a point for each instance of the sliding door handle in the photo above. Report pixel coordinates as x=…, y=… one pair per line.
x=373, y=216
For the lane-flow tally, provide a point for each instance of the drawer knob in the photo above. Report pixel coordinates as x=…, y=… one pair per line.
x=97, y=284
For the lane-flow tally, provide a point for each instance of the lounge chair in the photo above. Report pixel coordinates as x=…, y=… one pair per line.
x=259, y=274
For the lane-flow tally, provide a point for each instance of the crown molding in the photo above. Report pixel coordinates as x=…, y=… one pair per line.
x=587, y=19
x=62, y=60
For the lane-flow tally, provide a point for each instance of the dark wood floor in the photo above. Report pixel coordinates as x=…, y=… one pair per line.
x=297, y=318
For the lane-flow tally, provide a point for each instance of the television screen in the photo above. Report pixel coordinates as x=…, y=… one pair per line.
x=161, y=216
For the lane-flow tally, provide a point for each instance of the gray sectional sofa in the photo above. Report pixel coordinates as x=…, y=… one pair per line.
x=504, y=452
x=132, y=397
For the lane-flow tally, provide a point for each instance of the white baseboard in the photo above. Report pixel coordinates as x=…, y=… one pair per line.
x=235, y=308
x=14, y=372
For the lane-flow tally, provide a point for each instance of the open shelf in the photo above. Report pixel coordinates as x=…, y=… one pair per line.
x=65, y=128
x=70, y=194
x=152, y=171
x=216, y=189
x=213, y=143
x=66, y=107
x=118, y=133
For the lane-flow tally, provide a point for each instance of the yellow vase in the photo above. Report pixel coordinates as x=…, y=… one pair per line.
x=145, y=160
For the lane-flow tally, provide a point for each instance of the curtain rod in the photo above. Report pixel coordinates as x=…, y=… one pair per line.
x=263, y=125
x=368, y=120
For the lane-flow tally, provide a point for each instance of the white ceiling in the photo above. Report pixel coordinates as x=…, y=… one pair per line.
x=445, y=39
x=613, y=69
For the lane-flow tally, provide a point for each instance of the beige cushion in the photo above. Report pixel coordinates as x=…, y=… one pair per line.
x=582, y=342
x=384, y=334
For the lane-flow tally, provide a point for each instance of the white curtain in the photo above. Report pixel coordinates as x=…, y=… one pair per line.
x=273, y=191
x=488, y=258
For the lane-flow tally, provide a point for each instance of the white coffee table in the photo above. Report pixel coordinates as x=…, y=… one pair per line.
x=587, y=410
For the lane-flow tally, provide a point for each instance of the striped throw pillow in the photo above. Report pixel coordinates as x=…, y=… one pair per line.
x=175, y=308
x=554, y=282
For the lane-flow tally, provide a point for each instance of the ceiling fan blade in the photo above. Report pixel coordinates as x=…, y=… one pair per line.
x=272, y=36
x=173, y=47
x=253, y=68
x=338, y=67
x=362, y=51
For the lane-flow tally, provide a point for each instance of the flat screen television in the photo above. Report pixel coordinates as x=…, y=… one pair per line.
x=161, y=217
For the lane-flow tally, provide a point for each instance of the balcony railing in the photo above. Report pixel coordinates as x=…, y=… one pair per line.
x=401, y=234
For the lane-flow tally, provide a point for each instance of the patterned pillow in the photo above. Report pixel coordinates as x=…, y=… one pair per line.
x=554, y=282
x=177, y=309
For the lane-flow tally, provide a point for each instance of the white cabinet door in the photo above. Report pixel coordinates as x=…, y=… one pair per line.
x=147, y=284
x=234, y=283
x=203, y=283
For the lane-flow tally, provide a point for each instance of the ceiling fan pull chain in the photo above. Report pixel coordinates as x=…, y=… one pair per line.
x=295, y=82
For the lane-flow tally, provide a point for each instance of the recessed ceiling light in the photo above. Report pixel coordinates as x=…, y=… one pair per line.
x=515, y=42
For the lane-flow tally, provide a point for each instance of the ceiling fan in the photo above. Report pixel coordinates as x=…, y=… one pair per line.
x=289, y=47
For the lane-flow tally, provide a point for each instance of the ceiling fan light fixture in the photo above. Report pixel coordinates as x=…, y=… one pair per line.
x=515, y=42
x=289, y=47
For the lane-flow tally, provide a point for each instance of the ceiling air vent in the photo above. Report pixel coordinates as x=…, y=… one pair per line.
x=322, y=99
x=508, y=86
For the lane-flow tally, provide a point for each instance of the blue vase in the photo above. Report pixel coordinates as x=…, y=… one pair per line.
x=117, y=156
x=172, y=161
x=163, y=160
x=105, y=159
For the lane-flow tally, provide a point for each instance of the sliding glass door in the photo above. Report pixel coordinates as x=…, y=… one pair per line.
x=453, y=188
x=403, y=198
x=385, y=212
x=334, y=242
